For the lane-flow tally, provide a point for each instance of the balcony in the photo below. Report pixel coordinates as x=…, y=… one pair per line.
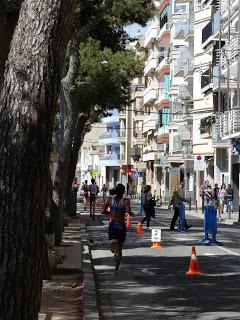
x=163, y=37
x=161, y=130
x=111, y=119
x=149, y=152
x=184, y=132
x=110, y=137
x=136, y=153
x=188, y=31
x=122, y=115
x=228, y=5
x=151, y=35
x=150, y=94
x=186, y=91
x=122, y=135
x=160, y=160
x=109, y=160
x=138, y=139
x=178, y=32
x=177, y=144
x=162, y=98
x=217, y=140
x=163, y=67
x=178, y=68
x=149, y=122
x=229, y=124
x=151, y=63
x=229, y=55
x=188, y=70
x=138, y=116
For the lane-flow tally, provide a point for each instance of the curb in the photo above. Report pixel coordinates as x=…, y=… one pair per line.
x=89, y=292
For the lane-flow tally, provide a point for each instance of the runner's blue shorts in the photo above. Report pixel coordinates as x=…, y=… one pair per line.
x=117, y=231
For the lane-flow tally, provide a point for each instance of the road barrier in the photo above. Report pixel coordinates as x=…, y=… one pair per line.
x=210, y=225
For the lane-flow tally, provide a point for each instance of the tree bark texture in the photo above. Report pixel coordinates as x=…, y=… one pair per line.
x=8, y=23
x=29, y=96
x=77, y=143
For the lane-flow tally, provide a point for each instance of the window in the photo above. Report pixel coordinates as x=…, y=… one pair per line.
x=180, y=8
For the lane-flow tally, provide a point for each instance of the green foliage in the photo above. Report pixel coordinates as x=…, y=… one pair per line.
x=131, y=11
x=107, y=76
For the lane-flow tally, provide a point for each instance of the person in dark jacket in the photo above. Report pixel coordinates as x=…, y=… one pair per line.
x=148, y=205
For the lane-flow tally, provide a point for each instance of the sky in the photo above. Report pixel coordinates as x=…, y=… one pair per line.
x=133, y=29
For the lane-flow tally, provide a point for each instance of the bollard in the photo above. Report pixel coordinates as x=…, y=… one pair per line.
x=210, y=225
x=196, y=207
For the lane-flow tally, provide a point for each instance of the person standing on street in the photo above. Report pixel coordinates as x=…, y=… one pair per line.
x=94, y=190
x=229, y=200
x=85, y=189
x=222, y=199
x=215, y=196
x=177, y=201
x=117, y=206
x=148, y=205
x=104, y=193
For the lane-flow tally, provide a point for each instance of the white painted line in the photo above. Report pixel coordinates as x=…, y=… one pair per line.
x=229, y=251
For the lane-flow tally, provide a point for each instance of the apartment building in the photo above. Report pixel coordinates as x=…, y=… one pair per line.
x=156, y=100
x=181, y=96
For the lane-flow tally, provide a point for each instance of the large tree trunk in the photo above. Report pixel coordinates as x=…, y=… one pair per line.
x=29, y=96
x=80, y=34
x=8, y=23
x=77, y=143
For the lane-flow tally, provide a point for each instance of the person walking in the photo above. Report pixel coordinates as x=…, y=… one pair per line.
x=85, y=189
x=229, y=200
x=117, y=207
x=148, y=205
x=215, y=196
x=222, y=199
x=94, y=190
x=104, y=193
x=177, y=201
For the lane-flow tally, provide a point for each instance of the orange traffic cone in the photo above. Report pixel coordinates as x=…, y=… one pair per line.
x=129, y=222
x=156, y=245
x=139, y=228
x=194, y=267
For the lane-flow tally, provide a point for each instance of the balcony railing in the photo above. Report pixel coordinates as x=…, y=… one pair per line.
x=164, y=129
x=188, y=68
x=230, y=52
x=165, y=28
x=151, y=63
x=150, y=93
x=179, y=28
x=229, y=123
x=188, y=29
x=151, y=34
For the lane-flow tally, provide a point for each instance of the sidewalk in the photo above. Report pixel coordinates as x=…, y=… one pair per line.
x=62, y=297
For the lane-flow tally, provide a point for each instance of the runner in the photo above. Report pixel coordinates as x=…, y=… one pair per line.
x=117, y=206
x=93, y=197
x=85, y=194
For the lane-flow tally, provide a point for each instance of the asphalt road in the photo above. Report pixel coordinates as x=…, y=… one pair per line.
x=152, y=283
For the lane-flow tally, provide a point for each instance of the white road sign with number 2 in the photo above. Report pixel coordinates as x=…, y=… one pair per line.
x=156, y=235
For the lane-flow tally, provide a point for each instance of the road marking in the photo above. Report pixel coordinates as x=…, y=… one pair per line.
x=229, y=251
